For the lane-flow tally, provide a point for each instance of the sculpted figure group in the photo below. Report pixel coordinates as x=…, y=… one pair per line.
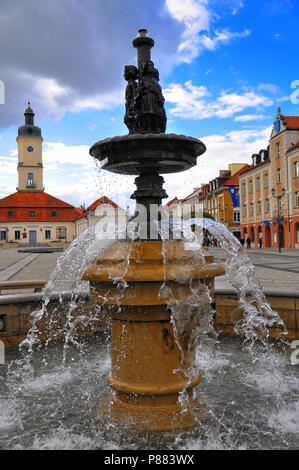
x=145, y=111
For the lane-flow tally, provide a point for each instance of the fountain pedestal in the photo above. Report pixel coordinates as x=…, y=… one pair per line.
x=151, y=363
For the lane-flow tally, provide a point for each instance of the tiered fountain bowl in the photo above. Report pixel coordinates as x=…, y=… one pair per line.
x=152, y=364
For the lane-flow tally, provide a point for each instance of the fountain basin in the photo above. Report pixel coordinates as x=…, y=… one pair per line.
x=139, y=153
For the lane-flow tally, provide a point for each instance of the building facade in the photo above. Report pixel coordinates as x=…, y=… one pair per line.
x=269, y=189
x=220, y=198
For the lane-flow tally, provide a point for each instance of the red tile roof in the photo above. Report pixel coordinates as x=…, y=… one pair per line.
x=293, y=147
x=102, y=200
x=32, y=199
x=234, y=180
x=43, y=204
x=171, y=201
x=292, y=121
x=193, y=192
x=252, y=167
x=95, y=204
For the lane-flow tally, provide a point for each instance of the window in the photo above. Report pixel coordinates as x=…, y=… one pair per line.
x=250, y=186
x=267, y=205
x=2, y=234
x=236, y=216
x=244, y=212
x=258, y=207
x=258, y=183
x=30, y=182
x=277, y=146
x=10, y=214
x=278, y=175
x=251, y=209
x=61, y=233
x=266, y=180
x=279, y=205
x=54, y=214
x=243, y=189
x=296, y=169
x=48, y=234
x=32, y=214
x=297, y=199
x=17, y=234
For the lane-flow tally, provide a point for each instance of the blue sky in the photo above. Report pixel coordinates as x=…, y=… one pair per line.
x=225, y=67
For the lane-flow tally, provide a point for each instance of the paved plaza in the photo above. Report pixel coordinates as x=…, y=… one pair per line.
x=272, y=269
x=15, y=266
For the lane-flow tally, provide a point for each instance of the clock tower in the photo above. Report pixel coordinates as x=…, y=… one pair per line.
x=30, y=166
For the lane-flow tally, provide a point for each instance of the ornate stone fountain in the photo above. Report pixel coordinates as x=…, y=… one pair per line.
x=151, y=362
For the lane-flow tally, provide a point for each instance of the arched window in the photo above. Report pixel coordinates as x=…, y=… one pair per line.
x=30, y=182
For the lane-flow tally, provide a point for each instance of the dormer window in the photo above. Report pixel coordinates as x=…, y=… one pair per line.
x=53, y=213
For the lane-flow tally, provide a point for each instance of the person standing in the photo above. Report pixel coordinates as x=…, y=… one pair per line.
x=261, y=240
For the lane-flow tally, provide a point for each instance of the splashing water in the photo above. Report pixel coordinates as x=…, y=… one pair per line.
x=51, y=393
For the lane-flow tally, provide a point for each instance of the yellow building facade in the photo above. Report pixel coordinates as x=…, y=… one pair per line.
x=270, y=189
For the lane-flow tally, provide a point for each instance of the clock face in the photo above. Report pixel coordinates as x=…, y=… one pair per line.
x=277, y=125
x=30, y=149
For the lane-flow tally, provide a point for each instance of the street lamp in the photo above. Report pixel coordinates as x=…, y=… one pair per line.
x=279, y=213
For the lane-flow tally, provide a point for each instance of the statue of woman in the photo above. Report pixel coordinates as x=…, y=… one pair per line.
x=130, y=74
x=149, y=101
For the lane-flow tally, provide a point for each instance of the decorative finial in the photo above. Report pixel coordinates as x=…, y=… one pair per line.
x=278, y=110
x=143, y=44
x=29, y=115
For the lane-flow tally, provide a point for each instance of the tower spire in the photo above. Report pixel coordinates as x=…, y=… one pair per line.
x=29, y=115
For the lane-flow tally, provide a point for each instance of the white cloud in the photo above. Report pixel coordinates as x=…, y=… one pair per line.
x=7, y=166
x=232, y=147
x=197, y=17
x=249, y=117
x=224, y=36
x=235, y=9
x=60, y=153
x=269, y=88
x=60, y=99
x=193, y=102
x=6, y=189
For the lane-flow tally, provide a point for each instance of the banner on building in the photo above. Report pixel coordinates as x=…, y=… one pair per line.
x=235, y=197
